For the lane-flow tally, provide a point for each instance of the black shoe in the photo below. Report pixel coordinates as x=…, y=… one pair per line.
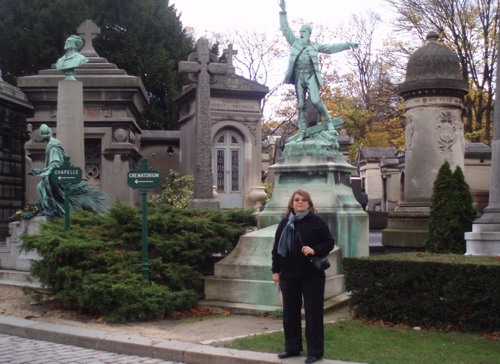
x=286, y=354
x=311, y=359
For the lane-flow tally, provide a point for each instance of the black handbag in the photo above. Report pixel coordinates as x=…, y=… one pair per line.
x=320, y=263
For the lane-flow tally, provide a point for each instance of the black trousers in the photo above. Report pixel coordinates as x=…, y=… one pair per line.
x=312, y=290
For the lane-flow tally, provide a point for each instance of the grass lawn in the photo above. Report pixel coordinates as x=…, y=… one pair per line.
x=353, y=340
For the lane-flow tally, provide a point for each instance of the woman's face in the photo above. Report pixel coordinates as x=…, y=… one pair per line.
x=300, y=203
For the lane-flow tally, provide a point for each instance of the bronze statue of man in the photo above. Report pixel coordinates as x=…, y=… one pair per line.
x=303, y=68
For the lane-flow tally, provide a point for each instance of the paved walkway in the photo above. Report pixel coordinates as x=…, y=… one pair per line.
x=18, y=350
x=59, y=342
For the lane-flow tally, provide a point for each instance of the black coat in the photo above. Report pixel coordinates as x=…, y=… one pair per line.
x=314, y=232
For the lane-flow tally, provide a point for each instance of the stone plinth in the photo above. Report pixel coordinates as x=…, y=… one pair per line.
x=408, y=226
x=10, y=255
x=483, y=242
x=243, y=281
x=327, y=179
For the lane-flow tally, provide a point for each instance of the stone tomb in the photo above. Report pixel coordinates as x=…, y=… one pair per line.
x=231, y=135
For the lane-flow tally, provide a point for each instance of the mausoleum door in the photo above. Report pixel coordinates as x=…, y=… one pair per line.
x=228, y=168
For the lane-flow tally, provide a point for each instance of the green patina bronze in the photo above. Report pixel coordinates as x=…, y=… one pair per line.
x=303, y=72
x=72, y=59
x=51, y=196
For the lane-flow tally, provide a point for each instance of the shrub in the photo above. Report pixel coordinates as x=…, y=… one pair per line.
x=95, y=267
x=177, y=190
x=451, y=212
x=446, y=291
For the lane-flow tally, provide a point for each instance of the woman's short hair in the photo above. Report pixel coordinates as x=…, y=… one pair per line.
x=304, y=194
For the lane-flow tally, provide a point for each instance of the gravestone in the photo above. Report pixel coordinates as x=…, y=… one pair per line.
x=201, y=68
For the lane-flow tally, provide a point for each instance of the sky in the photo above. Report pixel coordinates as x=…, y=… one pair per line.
x=221, y=15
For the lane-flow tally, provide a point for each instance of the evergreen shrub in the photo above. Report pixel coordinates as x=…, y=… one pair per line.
x=95, y=267
x=451, y=212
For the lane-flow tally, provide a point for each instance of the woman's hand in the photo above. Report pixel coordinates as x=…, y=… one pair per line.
x=307, y=250
x=276, y=278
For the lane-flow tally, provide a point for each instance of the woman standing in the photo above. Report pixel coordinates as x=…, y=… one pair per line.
x=301, y=235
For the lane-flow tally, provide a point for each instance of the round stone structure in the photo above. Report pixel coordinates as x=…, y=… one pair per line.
x=433, y=91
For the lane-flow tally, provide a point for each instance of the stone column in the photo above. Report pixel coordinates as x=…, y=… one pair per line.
x=433, y=91
x=70, y=129
x=485, y=236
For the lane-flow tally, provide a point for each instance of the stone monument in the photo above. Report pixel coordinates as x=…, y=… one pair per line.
x=310, y=161
x=433, y=91
x=201, y=66
x=234, y=138
x=70, y=102
x=485, y=236
x=112, y=102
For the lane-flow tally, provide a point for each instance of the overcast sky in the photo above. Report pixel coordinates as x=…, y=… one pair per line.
x=207, y=16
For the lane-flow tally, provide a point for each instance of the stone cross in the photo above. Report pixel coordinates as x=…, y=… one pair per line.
x=202, y=69
x=230, y=53
x=88, y=30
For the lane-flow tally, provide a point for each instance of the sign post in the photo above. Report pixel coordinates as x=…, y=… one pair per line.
x=144, y=178
x=66, y=175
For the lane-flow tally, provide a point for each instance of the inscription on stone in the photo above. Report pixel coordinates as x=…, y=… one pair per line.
x=296, y=178
x=220, y=104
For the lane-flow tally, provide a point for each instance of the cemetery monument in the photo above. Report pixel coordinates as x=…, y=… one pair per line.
x=310, y=161
x=70, y=102
x=201, y=67
x=433, y=91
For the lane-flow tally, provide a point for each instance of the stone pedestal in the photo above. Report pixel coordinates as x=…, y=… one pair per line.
x=204, y=204
x=70, y=121
x=327, y=179
x=243, y=282
x=408, y=226
x=14, y=262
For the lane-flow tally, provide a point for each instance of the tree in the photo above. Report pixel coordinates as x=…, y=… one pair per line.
x=470, y=28
x=33, y=34
x=366, y=97
x=451, y=212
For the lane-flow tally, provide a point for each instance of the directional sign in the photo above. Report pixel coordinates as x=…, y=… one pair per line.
x=144, y=177
x=66, y=175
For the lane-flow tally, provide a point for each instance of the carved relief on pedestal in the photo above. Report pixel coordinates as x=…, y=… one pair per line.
x=446, y=131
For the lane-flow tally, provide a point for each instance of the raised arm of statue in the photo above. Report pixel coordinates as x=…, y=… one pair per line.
x=283, y=6
x=284, y=26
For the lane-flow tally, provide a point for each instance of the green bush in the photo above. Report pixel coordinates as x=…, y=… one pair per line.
x=446, y=291
x=95, y=267
x=451, y=212
x=177, y=190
